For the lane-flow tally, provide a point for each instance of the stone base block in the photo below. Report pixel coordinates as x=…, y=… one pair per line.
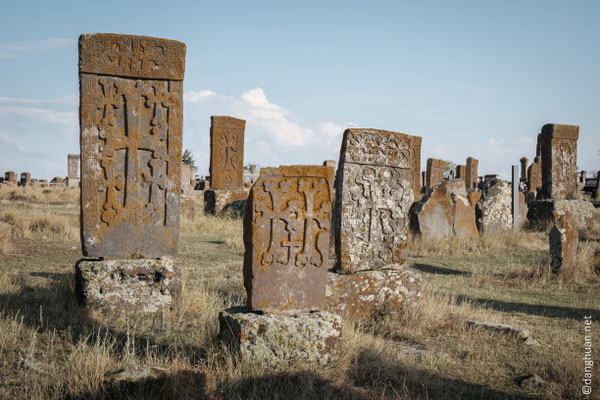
x=315, y=336
x=216, y=201
x=541, y=212
x=363, y=293
x=140, y=286
x=72, y=182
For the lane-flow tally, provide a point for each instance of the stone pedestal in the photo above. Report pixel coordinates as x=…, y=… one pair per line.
x=72, y=182
x=314, y=336
x=364, y=293
x=140, y=286
x=217, y=200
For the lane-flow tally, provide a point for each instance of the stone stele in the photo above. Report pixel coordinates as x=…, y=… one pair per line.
x=373, y=196
x=471, y=174
x=270, y=338
x=559, y=161
x=435, y=172
x=131, y=131
x=226, y=152
x=494, y=210
x=564, y=240
x=286, y=235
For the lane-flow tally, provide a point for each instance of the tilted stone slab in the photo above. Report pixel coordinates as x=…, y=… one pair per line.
x=269, y=338
x=144, y=285
x=226, y=152
x=286, y=236
x=373, y=196
x=366, y=292
x=131, y=130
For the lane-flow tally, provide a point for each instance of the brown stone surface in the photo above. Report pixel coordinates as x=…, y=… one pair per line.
x=188, y=209
x=25, y=179
x=286, y=235
x=435, y=172
x=534, y=175
x=373, y=197
x=474, y=198
x=494, y=210
x=524, y=164
x=73, y=166
x=559, y=161
x=363, y=293
x=57, y=180
x=215, y=201
x=10, y=177
x=564, y=240
x=445, y=211
x=187, y=175
x=415, y=145
x=471, y=174
x=131, y=132
x=226, y=152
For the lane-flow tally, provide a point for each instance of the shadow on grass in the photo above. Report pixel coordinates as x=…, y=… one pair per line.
x=541, y=310
x=437, y=270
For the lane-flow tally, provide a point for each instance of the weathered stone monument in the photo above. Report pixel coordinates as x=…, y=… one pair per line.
x=25, y=179
x=435, y=172
x=564, y=240
x=286, y=236
x=57, y=181
x=10, y=178
x=534, y=176
x=131, y=132
x=73, y=170
x=559, y=161
x=226, y=164
x=524, y=163
x=471, y=174
x=514, y=187
x=445, y=211
x=187, y=176
x=374, y=191
x=415, y=160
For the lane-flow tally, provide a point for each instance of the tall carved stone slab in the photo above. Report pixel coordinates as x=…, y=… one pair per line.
x=435, y=172
x=226, y=152
x=534, y=175
x=373, y=196
x=415, y=146
x=10, y=177
x=73, y=166
x=131, y=128
x=286, y=235
x=524, y=163
x=25, y=179
x=559, y=160
x=471, y=174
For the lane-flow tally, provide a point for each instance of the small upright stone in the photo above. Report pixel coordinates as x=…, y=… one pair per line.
x=435, y=172
x=10, y=178
x=471, y=174
x=73, y=170
x=286, y=235
x=534, y=175
x=226, y=152
x=559, y=161
x=25, y=179
x=564, y=239
x=373, y=195
x=524, y=163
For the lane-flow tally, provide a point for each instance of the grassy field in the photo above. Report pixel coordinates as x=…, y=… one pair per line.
x=52, y=349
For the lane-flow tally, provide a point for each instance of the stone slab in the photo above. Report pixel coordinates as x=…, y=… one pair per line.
x=140, y=286
x=559, y=161
x=215, y=201
x=269, y=338
x=564, y=241
x=364, y=293
x=226, y=152
x=435, y=172
x=494, y=210
x=373, y=196
x=286, y=236
x=73, y=166
x=131, y=95
x=541, y=212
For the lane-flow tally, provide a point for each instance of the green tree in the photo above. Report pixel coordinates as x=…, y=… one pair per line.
x=188, y=159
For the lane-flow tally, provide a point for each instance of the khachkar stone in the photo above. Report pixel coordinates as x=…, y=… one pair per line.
x=471, y=174
x=534, y=175
x=10, y=177
x=435, y=172
x=524, y=162
x=415, y=145
x=226, y=152
x=286, y=234
x=564, y=240
x=373, y=196
x=25, y=179
x=559, y=161
x=73, y=170
x=131, y=131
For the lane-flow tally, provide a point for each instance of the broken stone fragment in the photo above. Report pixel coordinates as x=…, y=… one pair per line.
x=520, y=333
x=315, y=336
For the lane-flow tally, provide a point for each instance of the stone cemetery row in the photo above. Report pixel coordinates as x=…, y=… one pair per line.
x=131, y=204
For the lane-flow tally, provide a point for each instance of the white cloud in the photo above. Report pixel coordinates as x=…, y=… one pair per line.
x=17, y=49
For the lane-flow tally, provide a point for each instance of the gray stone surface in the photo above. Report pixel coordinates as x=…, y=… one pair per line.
x=216, y=200
x=541, y=212
x=564, y=241
x=494, y=210
x=144, y=285
x=521, y=333
x=270, y=338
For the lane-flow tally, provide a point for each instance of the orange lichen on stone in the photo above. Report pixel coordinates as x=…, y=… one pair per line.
x=559, y=160
x=286, y=235
x=226, y=152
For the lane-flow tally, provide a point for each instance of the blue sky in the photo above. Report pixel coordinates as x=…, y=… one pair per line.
x=472, y=78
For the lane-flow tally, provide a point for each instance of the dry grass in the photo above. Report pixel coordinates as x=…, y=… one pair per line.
x=52, y=349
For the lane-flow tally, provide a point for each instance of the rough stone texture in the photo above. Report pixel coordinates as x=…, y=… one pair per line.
x=559, y=161
x=226, y=152
x=286, y=235
x=541, y=212
x=521, y=333
x=364, y=293
x=444, y=211
x=10, y=177
x=180, y=383
x=269, y=338
x=187, y=175
x=564, y=240
x=57, y=180
x=471, y=174
x=73, y=166
x=215, y=201
x=131, y=128
x=415, y=147
x=373, y=196
x=144, y=285
x=188, y=209
x=329, y=163
x=494, y=210
x=461, y=171
x=25, y=179
x=435, y=172
x=534, y=175
x=524, y=163
x=474, y=197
